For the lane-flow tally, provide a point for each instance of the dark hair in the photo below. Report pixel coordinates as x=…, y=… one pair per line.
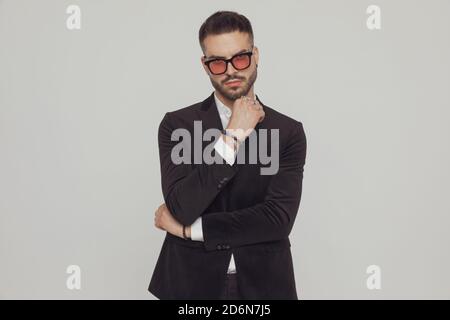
x=224, y=22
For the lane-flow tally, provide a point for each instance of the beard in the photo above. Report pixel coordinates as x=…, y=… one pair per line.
x=234, y=93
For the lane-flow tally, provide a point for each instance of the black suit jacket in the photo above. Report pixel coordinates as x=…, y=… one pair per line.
x=243, y=212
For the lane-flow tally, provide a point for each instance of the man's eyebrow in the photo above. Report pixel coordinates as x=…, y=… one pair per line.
x=221, y=57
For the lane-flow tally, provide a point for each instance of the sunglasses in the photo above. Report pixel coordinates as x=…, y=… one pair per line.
x=239, y=61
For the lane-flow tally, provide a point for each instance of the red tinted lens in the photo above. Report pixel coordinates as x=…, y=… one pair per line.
x=241, y=61
x=217, y=66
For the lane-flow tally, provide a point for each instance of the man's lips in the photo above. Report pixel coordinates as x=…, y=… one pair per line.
x=233, y=83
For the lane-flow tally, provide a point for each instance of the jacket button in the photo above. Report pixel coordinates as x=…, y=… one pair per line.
x=226, y=246
x=219, y=186
x=219, y=247
x=225, y=179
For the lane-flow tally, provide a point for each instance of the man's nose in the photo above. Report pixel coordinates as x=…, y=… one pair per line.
x=231, y=70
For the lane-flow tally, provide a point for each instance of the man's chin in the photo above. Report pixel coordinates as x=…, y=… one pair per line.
x=234, y=94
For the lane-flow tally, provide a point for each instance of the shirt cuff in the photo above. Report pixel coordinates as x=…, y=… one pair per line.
x=197, y=230
x=225, y=151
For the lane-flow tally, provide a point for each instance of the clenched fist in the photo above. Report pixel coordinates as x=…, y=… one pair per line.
x=246, y=114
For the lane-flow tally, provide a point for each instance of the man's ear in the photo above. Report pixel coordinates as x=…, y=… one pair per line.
x=256, y=54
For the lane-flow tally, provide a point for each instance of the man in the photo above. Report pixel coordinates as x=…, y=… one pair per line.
x=227, y=223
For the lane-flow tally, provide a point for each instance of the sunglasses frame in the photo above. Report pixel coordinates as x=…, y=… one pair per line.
x=246, y=53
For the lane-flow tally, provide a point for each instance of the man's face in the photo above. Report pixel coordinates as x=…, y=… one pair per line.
x=226, y=46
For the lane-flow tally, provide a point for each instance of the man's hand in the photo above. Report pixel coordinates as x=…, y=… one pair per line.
x=165, y=221
x=246, y=114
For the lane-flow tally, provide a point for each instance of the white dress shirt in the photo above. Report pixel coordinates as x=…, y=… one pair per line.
x=228, y=154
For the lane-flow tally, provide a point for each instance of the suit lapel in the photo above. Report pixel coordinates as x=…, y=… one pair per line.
x=210, y=115
x=260, y=125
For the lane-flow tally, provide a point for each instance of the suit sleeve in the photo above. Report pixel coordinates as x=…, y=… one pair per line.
x=188, y=189
x=271, y=219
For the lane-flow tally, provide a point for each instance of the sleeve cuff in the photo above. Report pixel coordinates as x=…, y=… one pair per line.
x=197, y=230
x=225, y=151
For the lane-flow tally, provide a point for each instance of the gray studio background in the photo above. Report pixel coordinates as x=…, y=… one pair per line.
x=79, y=166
